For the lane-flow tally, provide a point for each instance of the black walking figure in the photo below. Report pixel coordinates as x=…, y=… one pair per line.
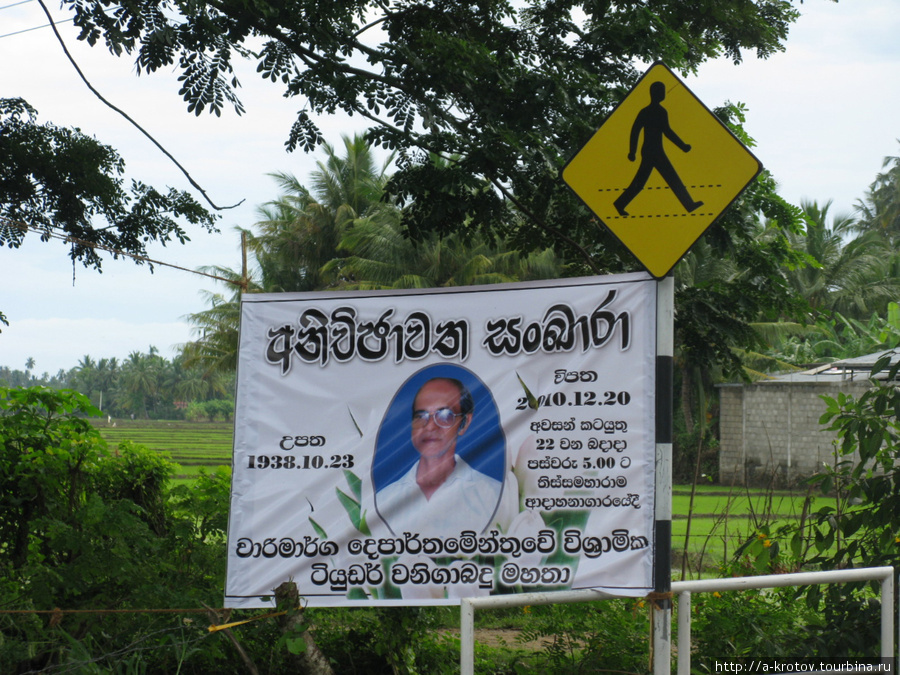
x=654, y=121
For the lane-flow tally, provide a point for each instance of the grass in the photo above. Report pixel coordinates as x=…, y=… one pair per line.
x=190, y=445
x=723, y=516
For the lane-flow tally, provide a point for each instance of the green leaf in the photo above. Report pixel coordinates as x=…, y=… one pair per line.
x=351, y=506
x=355, y=484
x=295, y=645
x=881, y=364
x=318, y=528
x=796, y=545
x=532, y=401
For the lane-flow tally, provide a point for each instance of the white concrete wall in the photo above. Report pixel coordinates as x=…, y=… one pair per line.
x=774, y=427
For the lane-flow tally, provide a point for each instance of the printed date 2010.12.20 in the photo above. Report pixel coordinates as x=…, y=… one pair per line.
x=579, y=398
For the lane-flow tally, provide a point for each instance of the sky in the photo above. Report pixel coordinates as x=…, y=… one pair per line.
x=823, y=113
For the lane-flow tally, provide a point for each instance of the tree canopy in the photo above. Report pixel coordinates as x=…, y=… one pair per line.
x=342, y=232
x=59, y=181
x=508, y=89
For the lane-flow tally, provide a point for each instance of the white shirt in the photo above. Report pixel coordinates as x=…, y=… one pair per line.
x=467, y=500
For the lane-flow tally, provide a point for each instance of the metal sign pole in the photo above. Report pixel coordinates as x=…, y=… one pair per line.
x=659, y=226
x=662, y=600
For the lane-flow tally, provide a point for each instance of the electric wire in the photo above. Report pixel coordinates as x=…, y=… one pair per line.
x=28, y=30
x=54, y=26
x=16, y=4
x=69, y=239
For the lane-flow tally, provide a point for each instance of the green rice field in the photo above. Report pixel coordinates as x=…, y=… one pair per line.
x=723, y=516
x=190, y=445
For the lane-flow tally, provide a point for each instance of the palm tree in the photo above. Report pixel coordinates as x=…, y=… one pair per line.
x=298, y=234
x=846, y=276
x=197, y=383
x=699, y=270
x=140, y=381
x=301, y=230
x=216, y=328
x=380, y=257
x=85, y=375
x=879, y=210
x=105, y=375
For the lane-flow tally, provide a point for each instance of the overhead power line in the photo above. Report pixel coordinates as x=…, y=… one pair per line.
x=69, y=239
x=53, y=25
x=16, y=4
x=28, y=30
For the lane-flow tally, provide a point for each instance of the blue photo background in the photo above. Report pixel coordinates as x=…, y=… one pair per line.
x=483, y=446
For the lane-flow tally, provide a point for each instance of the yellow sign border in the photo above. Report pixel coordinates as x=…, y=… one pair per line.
x=657, y=227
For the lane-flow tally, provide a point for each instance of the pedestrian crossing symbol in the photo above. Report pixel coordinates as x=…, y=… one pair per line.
x=660, y=170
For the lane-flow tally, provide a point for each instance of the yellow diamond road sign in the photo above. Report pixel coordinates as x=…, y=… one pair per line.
x=660, y=170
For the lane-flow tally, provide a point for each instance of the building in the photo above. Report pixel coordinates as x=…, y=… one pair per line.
x=770, y=431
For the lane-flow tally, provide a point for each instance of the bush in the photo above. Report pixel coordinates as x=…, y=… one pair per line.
x=217, y=409
x=86, y=529
x=603, y=636
x=763, y=623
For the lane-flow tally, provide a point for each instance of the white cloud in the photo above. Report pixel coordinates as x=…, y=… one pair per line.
x=823, y=113
x=60, y=343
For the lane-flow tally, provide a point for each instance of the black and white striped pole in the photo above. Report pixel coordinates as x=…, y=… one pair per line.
x=716, y=162
x=661, y=599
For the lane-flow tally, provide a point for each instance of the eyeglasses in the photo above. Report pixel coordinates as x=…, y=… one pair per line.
x=443, y=417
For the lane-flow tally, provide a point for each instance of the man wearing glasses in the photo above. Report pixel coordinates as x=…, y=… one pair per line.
x=441, y=495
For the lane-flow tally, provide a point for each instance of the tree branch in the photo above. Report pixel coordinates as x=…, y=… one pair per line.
x=544, y=226
x=127, y=117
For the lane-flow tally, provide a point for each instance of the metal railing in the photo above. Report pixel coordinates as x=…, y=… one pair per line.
x=684, y=589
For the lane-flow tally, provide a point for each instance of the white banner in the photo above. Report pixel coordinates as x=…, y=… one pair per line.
x=416, y=447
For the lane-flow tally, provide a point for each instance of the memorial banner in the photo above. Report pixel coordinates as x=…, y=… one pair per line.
x=417, y=447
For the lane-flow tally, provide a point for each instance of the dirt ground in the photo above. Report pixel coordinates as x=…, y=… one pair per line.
x=500, y=637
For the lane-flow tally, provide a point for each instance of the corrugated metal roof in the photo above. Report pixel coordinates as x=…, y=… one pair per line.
x=855, y=369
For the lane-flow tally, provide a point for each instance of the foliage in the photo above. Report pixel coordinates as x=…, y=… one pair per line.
x=685, y=463
x=857, y=527
x=380, y=257
x=139, y=476
x=214, y=350
x=343, y=232
x=385, y=640
x=88, y=529
x=611, y=635
x=302, y=229
x=867, y=473
x=85, y=528
x=510, y=90
x=754, y=623
x=503, y=94
x=210, y=410
x=47, y=454
x=843, y=274
x=839, y=337
x=851, y=278
x=879, y=210
x=131, y=543
x=716, y=314
x=145, y=385
x=57, y=179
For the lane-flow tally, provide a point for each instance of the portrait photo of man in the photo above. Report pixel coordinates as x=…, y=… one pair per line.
x=441, y=493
